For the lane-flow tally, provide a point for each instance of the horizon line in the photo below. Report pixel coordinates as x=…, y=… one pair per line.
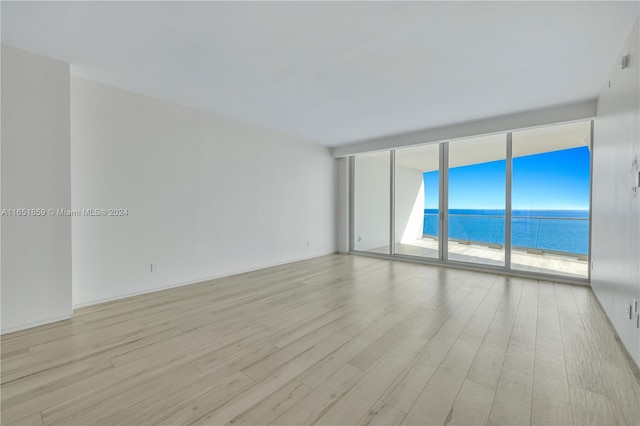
x=512, y=209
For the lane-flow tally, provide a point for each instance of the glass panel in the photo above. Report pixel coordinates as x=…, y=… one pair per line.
x=477, y=187
x=417, y=202
x=551, y=186
x=371, y=202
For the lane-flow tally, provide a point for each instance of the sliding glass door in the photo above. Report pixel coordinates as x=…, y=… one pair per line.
x=513, y=201
x=477, y=188
x=372, y=202
x=551, y=187
x=417, y=180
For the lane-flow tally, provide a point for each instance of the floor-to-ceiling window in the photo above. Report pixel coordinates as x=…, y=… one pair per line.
x=371, y=207
x=476, y=193
x=516, y=201
x=551, y=192
x=417, y=201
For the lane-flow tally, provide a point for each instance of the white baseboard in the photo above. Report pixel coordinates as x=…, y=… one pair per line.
x=199, y=280
x=33, y=324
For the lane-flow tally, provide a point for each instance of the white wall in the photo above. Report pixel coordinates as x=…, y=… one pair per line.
x=206, y=196
x=616, y=208
x=36, y=251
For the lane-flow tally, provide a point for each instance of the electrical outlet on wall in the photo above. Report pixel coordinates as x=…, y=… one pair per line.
x=154, y=267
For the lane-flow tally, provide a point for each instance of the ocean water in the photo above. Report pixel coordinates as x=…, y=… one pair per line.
x=556, y=230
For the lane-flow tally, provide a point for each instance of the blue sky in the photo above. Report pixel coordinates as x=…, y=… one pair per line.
x=551, y=181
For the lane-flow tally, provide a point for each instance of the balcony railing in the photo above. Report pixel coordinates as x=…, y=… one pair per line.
x=561, y=235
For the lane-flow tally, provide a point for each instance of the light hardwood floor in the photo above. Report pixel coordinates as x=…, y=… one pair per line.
x=337, y=340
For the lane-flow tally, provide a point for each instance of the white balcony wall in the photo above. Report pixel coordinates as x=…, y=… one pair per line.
x=371, y=201
x=409, y=204
x=372, y=211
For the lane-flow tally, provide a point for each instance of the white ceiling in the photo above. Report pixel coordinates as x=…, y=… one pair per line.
x=335, y=72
